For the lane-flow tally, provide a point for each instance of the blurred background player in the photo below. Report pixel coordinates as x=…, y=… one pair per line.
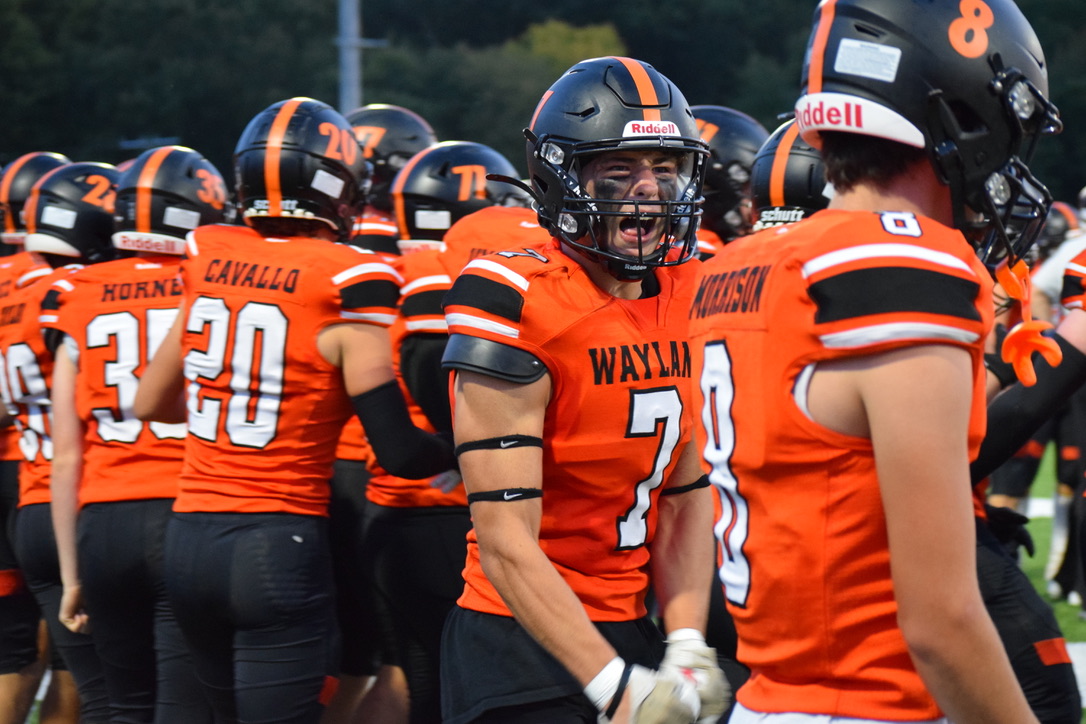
x=114, y=478
x=20, y=666
x=389, y=135
x=734, y=138
x=787, y=179
x=281, y=333
x=415, y=530
x=69, y=218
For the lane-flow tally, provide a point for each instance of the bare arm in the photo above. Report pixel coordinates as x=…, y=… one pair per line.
x=64, y=486
x=682, y=551
x=161, y=393
x=508, y=533
x=918, y=419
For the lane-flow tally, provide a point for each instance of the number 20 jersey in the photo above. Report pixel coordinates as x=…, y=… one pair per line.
x=618, y=417
x=265, y=409
x=806, y=565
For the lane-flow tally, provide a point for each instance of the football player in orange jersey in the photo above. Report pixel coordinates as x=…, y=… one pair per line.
x=281, y=332
x=69, y=218
x=20, y=667
x=788, y=184
x=834, y=362
x=572, y=417
x=116, y=475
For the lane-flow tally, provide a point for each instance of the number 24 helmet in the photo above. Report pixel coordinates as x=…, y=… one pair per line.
x=966, y=80
x=299, y=159
x=610, y=104
x=70, y=212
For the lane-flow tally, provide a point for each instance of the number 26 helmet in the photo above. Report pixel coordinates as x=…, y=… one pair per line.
x=965, y=80
x=610, y=104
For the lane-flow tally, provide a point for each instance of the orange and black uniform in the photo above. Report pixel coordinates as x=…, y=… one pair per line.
x=27, y=371
x=111, y=318
x=806, y=564
x=247, y=551
x=19, y=613
x=619, y=413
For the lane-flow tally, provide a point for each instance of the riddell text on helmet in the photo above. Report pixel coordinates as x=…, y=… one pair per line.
x=650, y=128
x=849, y=115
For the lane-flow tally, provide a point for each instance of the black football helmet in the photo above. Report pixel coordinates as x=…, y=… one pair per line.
x=446, y=182
x=788, y=179
x=966, y=80
x=389, y=136
x=734, y=138
x=16, y=180
x=70, y=212
x=608, y=104
x=299, y=159
x=163, y=194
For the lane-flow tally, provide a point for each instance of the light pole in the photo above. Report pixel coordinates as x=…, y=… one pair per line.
x=351, y=43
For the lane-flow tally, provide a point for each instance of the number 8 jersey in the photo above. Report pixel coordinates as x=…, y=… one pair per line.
x=618, y=417
x=806, y=564
x=265, y=409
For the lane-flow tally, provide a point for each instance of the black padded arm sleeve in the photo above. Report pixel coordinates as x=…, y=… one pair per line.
x=401, y=448
x=420, y=365
x=1016, y=414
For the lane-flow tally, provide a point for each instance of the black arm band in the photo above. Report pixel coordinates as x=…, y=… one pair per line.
x=1003, y=371
x=1016, y=414
x=401, y=448
x=619, y=691
x=499, y=443
x=507, y=495
x=702, y=482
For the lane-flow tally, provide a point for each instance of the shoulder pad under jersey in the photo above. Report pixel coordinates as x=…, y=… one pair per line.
x=493, y=359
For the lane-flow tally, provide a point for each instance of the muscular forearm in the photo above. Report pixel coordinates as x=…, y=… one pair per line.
x=682, y=559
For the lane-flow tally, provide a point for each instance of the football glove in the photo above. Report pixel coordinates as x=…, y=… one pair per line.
x=688, y=656
x=656, y=697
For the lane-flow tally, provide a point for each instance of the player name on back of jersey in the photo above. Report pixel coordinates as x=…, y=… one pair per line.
x=738, y=291
x=11, y=314
x=125, y=291
x=636, y=362
x=255, y=276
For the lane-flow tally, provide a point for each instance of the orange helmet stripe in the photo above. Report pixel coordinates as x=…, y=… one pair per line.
x=396, y=192
x=145, y=187
x=542, y=102
x=272, y=153
x=644, y=86
x=818, y=48
x=30, y=209
x=780, y=165
x=5, y=187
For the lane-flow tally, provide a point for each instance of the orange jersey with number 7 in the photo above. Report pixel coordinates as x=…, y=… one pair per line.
x=619, y=414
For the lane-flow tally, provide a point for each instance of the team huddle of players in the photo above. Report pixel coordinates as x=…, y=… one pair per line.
x=393, y=433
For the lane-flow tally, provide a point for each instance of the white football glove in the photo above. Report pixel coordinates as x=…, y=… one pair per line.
x=688, y=656
x=656, y=697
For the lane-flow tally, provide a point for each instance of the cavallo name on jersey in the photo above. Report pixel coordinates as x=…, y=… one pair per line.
x=256, y=276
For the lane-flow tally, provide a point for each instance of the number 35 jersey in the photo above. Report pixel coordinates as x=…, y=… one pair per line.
x=806, y=565
x=114, y=316
x=265, y=409
x=618, y=417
